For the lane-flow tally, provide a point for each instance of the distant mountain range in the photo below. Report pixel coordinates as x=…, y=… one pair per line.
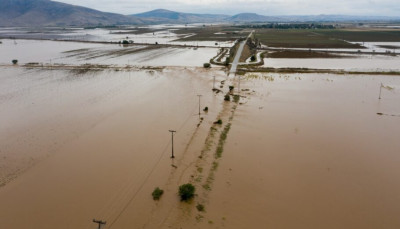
x=52, y=13
x=163, y=16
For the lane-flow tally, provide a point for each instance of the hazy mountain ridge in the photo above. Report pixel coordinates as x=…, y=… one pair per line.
x=46, y=13
x=52, y=13
x=178, y=17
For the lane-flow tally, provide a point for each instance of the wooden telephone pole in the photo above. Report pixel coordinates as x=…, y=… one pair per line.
x=99, y=222
x=214, y=83
x=199, y=103
x=172, y=133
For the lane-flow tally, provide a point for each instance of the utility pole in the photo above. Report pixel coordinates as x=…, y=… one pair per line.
x=172, y=133
x=99, y=222
x=239, y=84
x=214, y=83
x=380, y=91
x=199, y=103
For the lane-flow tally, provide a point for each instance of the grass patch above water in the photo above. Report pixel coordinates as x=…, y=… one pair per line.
x=222, y=139
x=186, y=191
x=157, y=193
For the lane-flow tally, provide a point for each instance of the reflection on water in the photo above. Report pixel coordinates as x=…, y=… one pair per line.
x=59, y=52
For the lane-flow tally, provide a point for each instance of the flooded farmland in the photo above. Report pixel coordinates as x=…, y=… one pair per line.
x=61, y=53
x=312, y=149
x=85, y=134
x=361, y=63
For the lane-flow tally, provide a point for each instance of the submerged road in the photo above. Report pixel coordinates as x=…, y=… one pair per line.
x=238, y=55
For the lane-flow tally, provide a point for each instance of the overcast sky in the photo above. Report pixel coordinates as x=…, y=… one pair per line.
x=265, y=7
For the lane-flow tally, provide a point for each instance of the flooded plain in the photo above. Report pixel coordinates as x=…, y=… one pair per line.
x=310, y=151
x=357, y=63
x=61, y=53
x=82, y=146
x=298, y=150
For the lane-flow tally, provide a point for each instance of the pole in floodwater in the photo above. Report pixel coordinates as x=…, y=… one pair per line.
x=99, y=222
x=214, y=83
x=199, y=103
x=239, y=84
x=380, y=91
x=172, y=134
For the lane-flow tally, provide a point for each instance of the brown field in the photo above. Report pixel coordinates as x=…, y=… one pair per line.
x=301, y=54
x=300, y=39
x=209, y=34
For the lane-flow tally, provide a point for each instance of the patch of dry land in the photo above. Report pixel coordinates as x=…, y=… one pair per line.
x=290, y=150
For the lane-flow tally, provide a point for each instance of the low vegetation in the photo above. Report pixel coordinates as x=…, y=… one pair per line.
x=207, y=65
x=200, y=207
x=186, y=191
x=219, y=122
x=222, y=139
x=227, y=97
x=157, y=193
x=236, y=98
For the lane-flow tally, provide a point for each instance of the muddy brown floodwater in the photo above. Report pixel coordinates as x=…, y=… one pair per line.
x=310, y=151
x=295, y=151
x=78, y=147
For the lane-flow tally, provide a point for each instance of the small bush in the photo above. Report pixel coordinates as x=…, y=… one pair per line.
x=186, y=191
x=227, y=97
x=253, y=58
x=219, y=122
x=206, y=65
x=125, y=42
x=231, y=88
x=205, y=109
x=236, y=98
x=157, y=193
x=14, y=61
x=200, y=207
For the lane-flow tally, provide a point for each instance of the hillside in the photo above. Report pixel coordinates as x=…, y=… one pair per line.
x=250, y=17
x=46, y=13
x=163, y=15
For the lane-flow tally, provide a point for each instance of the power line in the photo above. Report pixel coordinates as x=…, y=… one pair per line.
x=147, y=177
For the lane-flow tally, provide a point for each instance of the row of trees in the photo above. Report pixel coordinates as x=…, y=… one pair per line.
x=289, y=26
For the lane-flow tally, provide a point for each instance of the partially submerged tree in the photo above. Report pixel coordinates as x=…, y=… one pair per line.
x=157, y=193
x=186, y=191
